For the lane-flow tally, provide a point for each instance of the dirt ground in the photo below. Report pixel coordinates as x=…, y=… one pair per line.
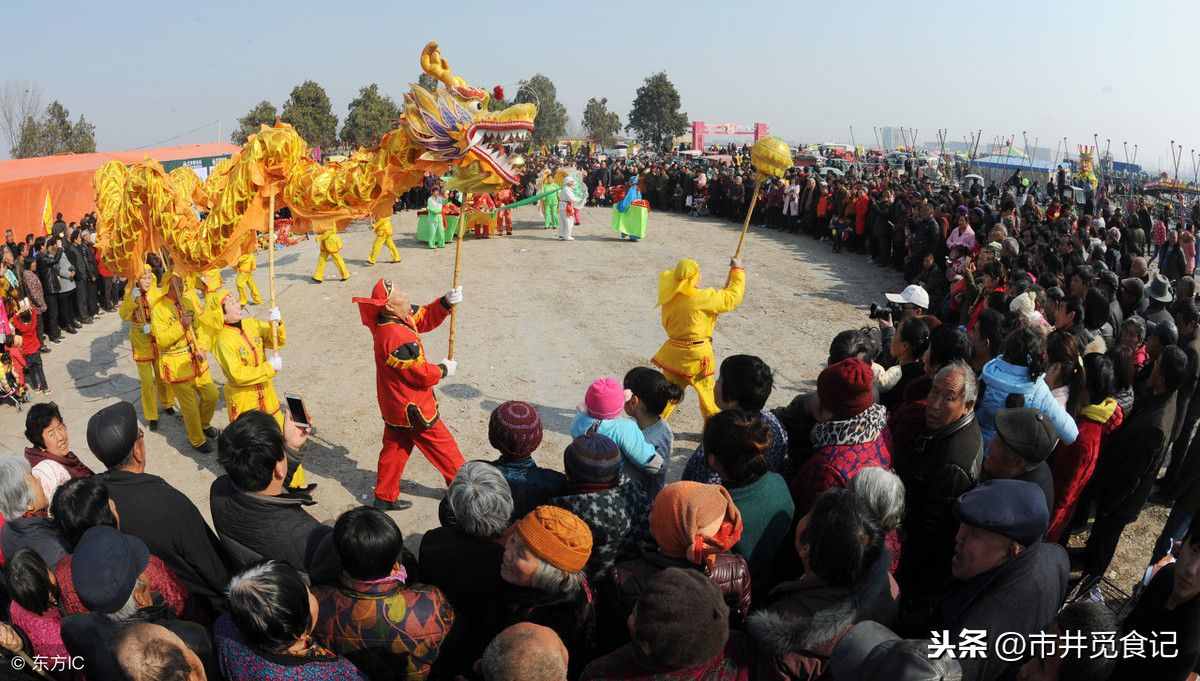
x=541, y=319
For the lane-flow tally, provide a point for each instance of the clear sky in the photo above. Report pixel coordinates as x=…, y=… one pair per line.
x=146, y=72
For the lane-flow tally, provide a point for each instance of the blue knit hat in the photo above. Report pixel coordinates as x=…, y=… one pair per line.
x=592, y=458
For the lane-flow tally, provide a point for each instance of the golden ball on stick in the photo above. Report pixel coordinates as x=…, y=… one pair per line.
x=771, y=156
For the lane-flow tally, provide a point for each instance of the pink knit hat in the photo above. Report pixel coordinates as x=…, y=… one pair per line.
x=605, y=398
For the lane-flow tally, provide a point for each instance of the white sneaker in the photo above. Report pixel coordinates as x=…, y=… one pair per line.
x=570, y=238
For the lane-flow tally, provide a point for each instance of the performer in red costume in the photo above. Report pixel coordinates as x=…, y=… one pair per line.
x=404, y=383
x=504, y=217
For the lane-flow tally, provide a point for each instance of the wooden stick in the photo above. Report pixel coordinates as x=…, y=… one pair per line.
x=749, y=213
x=462, y=214
x=271, y=269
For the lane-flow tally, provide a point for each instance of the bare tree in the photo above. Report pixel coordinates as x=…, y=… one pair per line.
x=19, y=100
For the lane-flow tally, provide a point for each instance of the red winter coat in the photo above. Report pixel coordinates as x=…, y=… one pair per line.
x=404, y=380
x=861, y=204
x=1075, y=463
x=30, y=343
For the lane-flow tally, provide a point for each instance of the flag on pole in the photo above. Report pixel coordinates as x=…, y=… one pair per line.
x=48, y=214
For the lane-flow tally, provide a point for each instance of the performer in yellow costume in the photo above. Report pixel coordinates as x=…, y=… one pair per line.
x=689, y=314
x=211, y=319
x=173, y=322
x=239, y=350
x=383, y=237
x=247, y=289
x=135, y=309
x=331, y=246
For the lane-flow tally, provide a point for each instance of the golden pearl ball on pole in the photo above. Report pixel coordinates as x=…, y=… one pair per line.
x=771, y=156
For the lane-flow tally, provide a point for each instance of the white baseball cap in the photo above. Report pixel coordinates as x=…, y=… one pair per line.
x=913, y=294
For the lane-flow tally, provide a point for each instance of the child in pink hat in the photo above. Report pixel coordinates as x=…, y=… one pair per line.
x=603, y=408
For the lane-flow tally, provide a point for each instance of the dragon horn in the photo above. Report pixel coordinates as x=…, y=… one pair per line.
x=433, y=63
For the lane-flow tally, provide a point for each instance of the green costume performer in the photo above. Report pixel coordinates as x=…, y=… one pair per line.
x=550, y=204
x=430, y=227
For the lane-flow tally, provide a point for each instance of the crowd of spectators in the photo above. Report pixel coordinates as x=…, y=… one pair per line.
x=962, y=473
x=50, y=287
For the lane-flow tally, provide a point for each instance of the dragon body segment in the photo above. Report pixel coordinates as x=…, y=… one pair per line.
x=141, y=207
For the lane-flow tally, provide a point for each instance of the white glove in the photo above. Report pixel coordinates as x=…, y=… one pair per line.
x=449, y=366
x=276, y=362
x=454, y=296
x=137, y=293
x=275, y=316
x=146, y=329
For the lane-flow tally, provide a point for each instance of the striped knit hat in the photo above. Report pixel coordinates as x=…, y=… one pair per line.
x=592, y=458
x=515, y=430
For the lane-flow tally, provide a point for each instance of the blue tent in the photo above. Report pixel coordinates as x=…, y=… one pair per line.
x=1015, y=163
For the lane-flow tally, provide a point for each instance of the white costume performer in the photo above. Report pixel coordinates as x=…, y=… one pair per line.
x=570, y=199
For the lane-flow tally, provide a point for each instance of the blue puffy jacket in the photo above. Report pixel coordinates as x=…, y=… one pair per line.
x=1002, y=379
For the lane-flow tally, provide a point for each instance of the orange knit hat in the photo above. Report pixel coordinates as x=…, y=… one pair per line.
x=557, y=536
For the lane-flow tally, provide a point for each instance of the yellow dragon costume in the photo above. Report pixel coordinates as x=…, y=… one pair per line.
x=141, y=208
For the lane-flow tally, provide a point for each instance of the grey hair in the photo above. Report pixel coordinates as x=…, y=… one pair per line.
x=514, y=656
x=883, y=492
x=970, y=386
x=15, y=495
x=481, y=500
x=1137, y=323
x=547, y=578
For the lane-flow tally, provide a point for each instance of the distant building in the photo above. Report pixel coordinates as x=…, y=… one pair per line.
x=891, y=138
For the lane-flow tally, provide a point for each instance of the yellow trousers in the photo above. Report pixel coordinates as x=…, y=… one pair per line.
x=380, y=242
x=704, y=388
x=247, y=289
x=197, y=403
x=319, y=275
x=154, y=391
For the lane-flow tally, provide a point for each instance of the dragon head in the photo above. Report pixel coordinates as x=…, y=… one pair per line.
x=452, y=125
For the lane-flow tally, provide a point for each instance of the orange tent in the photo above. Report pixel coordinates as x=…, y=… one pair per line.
x=68, y=179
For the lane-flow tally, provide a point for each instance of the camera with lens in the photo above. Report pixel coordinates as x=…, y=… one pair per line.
x=888, y=310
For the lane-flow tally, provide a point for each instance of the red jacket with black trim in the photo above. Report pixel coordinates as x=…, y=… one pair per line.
x=404, y=379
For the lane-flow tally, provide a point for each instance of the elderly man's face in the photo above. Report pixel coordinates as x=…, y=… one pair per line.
x=1001, y=462
x=977, y=551
x=398, y=304
x=947, y=401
